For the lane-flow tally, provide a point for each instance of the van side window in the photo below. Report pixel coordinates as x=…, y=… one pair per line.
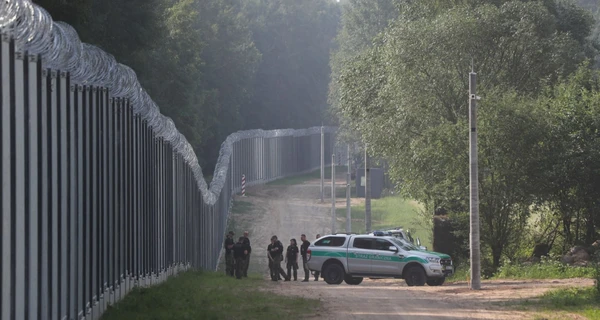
x=331, y=242
x=382, y=244
x=362, y=243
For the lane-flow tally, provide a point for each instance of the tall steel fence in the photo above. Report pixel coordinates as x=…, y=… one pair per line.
x=99, y=191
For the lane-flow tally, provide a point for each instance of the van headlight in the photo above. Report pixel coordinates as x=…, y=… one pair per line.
x=433, y=260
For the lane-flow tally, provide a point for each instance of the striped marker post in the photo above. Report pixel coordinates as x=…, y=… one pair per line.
x=243, y=185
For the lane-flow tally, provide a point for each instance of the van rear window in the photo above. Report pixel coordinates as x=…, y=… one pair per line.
x=331, y=242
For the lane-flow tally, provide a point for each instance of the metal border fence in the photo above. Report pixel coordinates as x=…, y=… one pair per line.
x=100, y=193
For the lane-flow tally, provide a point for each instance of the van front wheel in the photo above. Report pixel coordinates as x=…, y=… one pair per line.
x=435, y=281
x=353, y=280
x=415, y=276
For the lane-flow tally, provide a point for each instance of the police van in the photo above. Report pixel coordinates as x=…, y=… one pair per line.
x=350, y=258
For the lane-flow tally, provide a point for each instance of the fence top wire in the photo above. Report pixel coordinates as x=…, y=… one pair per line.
x=34, y=32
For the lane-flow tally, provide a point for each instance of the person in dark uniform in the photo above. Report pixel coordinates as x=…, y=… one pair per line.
x=229, y=254
x=317, y=273
x=275, y=253
x=303, y=249
x=291, y=259
x=249, y=248
x=239, y=254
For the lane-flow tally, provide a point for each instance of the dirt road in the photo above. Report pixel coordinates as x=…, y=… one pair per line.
x=288, y=211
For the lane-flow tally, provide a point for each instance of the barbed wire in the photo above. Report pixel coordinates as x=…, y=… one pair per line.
x=34, y=32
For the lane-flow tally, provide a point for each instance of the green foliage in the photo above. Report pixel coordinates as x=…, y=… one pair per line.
x=217, y=66
x=406, y=95
x=295, y=39
x=545, y=269
x=207, y=295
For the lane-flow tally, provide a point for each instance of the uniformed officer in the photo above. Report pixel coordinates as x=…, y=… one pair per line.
x=229, y=254
x=317, y=273
x=239, y=254
x=291, y=260
x=303, y=249
x=275, y=254
x=249, y=248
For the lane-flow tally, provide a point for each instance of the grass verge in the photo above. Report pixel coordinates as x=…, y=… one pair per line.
x=208, y=295
x=547, y=269
x=582, y=301
x=386, y=213
x=300, y=179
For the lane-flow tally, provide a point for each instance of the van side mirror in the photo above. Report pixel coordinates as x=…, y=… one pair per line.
x=393, y=248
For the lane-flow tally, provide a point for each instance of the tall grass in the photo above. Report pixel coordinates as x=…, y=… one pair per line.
x=208, y=295
x=584, y=301
x=546, y=269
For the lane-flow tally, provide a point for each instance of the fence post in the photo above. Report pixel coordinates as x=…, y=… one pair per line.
x=243, y=185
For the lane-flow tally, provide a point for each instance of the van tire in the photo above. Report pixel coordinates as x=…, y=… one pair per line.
x=415, y=276
x=436, y=281
x=333, y=274
x=353, y=281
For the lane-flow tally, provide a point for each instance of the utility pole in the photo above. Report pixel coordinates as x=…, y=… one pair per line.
x=348, y=191
x=322, y=164
x=367, y=192
x=333, y=220
x=474, y=184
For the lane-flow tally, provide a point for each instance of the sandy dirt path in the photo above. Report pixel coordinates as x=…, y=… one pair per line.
x=288, y=211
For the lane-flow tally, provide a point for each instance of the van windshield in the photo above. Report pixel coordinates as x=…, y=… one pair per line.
x=404, y=244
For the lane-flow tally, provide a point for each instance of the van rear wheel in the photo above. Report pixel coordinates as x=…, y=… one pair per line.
x=334, y=274
x=415, y=276
x=353, y=280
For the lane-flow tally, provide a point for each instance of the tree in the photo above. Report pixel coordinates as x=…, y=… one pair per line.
x=574, y=169
x=407, y=97
x=295, y=40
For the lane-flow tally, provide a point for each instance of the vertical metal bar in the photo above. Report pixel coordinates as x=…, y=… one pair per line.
x=72, y=234
x=5, y=186
x=94, y=214
x=63, y=212
x=88, y=180
x=44, y=243
x=34, y=178
x=109, y=187
x=80, y=212
x=20, y=135
x=118, y=192
x=103, y=201
x=54, y=192
x=136, y=193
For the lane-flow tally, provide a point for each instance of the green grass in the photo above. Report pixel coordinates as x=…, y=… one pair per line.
x=299, y=179
x=208, y=295
x=241, y=207
x=583, y=301
x=387, y=213
x=547, y=269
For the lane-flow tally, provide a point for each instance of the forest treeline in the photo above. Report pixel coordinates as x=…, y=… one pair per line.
x=218, y=66
x=400, y=79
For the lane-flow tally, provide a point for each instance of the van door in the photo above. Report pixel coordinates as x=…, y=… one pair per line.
x=359, y=252
x=385, y=261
